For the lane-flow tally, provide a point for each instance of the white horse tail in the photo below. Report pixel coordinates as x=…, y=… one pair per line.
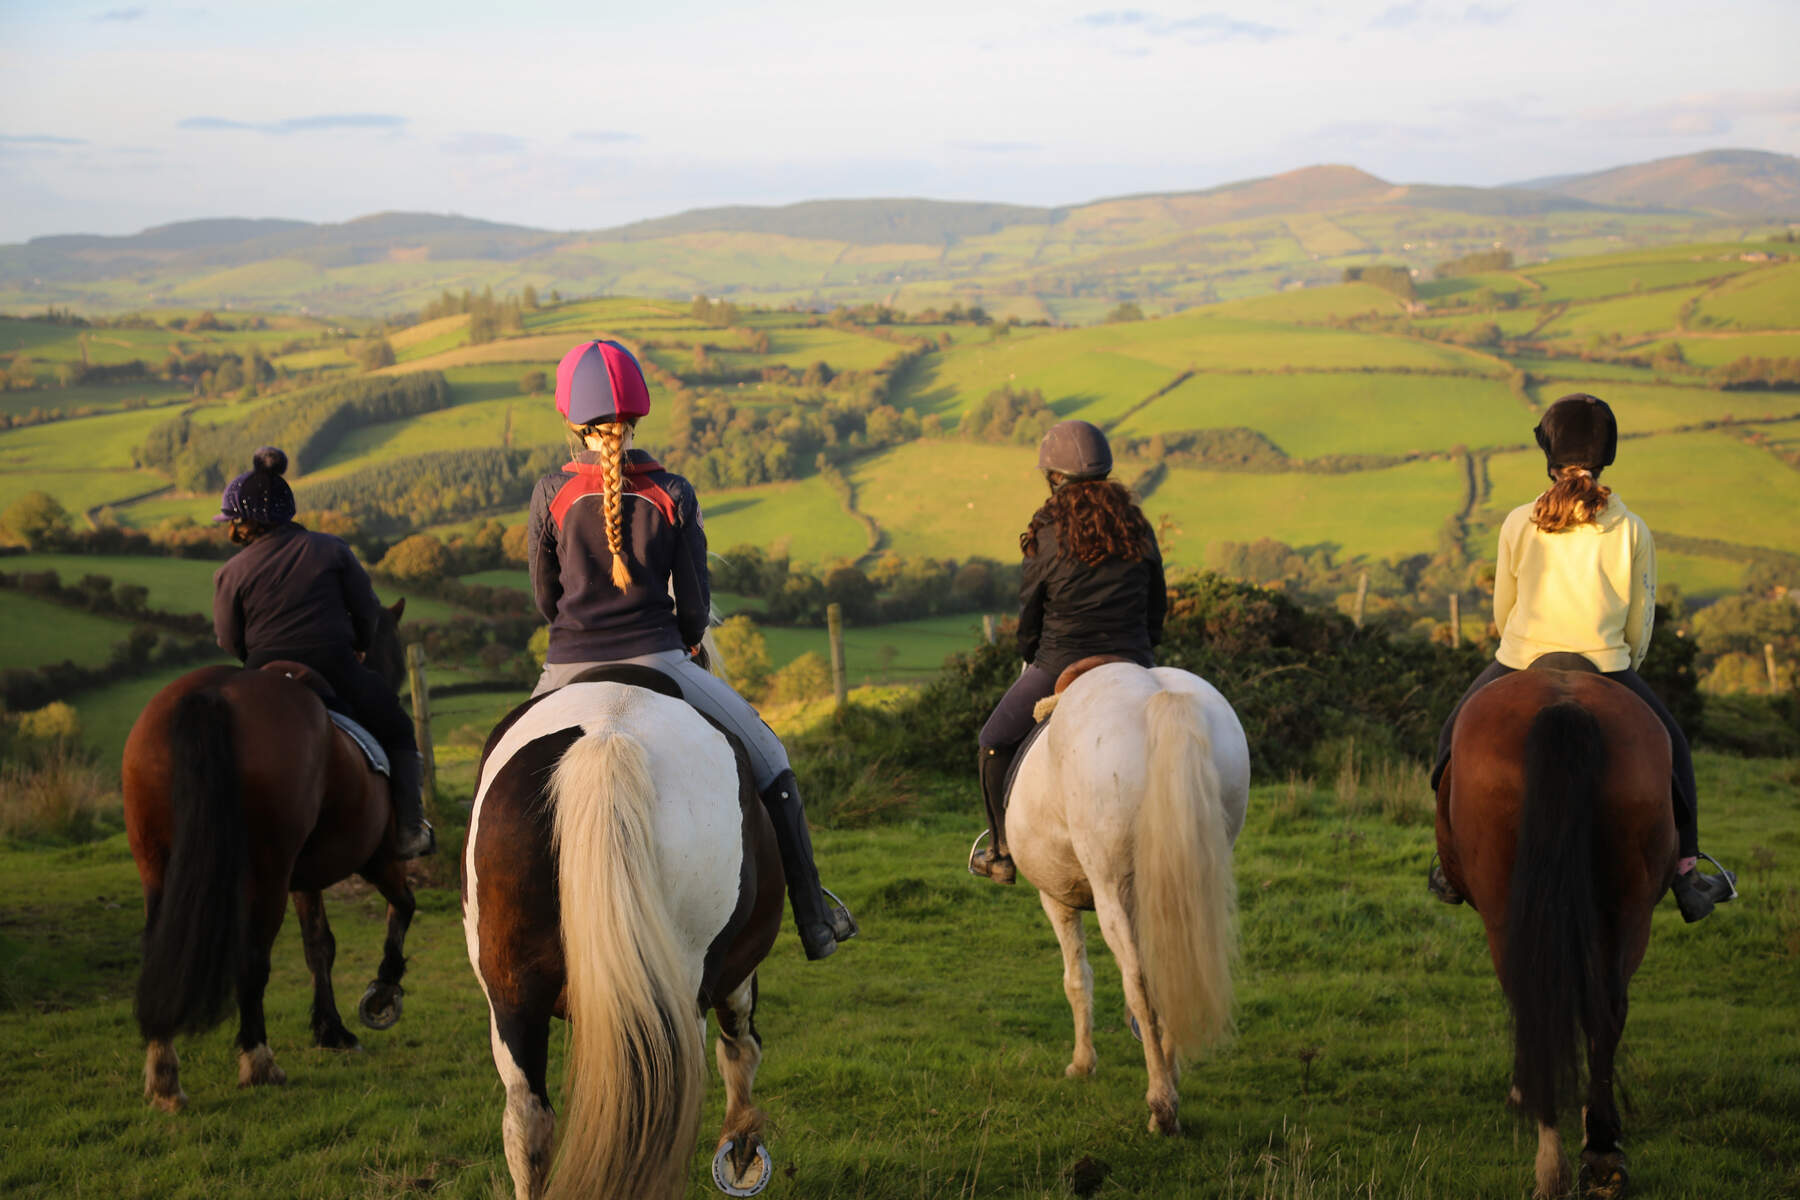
x=1185, y=898
x=636, y=1069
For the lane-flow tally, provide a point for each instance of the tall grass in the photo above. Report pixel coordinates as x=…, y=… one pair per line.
x=56, y=793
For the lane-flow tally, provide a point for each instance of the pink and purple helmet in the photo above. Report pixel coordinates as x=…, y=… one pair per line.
x=600, y=381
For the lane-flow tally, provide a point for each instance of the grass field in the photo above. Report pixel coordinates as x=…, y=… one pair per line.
x=39, y=633
x=1653, y=312
x=1645, y=408
x=110, y=396
x=1311, y=415
x=1718, y=351
x=803, y=518
x=1767, y=299
x=919, y=647
x=925, y=1060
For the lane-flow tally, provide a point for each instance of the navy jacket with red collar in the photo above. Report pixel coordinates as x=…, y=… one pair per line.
x=571, y=568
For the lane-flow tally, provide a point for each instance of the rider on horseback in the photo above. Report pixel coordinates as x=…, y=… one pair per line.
x=603, y=574
x=292, y=594
x=1091, y=583
x=1577, y=572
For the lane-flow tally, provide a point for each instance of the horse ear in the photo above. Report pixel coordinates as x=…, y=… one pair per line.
x=398, y=607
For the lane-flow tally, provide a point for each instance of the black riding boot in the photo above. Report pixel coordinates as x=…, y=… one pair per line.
x=1696, y=894
x=994, y=860
x=413, y=835
x=821, y=926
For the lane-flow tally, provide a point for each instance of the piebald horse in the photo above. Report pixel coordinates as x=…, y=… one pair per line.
x=1128, y=805
x=1554, y=822
x=239, y=790
x=620, y=872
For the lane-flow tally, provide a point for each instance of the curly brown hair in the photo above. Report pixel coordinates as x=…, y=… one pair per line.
x=1576, y=497
x=1096, y=519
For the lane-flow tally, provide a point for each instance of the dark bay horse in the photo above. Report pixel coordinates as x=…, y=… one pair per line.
x=238, y=791
x=1555, y=822
x=620, y=872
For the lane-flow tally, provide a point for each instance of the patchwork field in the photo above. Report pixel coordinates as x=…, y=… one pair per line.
x=55, y=633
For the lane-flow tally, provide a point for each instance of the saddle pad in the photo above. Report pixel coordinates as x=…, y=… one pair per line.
x=378, y=759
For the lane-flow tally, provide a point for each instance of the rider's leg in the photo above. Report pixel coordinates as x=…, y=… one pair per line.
x=1011, y=720
x=822, y=925
x=379, y=709
x=1435, y=880
x=1695, y=894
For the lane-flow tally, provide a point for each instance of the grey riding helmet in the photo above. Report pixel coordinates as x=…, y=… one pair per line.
x=1076, y=449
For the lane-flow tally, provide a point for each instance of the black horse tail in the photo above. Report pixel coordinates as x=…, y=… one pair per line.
x=195, y=929
x=1558, y=972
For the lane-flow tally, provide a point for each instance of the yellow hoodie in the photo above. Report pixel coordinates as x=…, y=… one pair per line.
x=1590, y=589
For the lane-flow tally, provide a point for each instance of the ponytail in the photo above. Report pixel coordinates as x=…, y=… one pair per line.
x=1575, y=497
x=611, y=455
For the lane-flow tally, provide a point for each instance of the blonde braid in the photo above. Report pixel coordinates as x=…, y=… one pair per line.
x=612, y=474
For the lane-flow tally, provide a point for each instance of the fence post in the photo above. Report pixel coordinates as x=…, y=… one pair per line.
x=987, y=627
x=1362, y=598
x=1769, y=666
x=421, y=706
x=1455, y=619
x=834, y=625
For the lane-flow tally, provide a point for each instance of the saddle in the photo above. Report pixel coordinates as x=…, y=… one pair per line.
x=337, y=710
x=1564, y=660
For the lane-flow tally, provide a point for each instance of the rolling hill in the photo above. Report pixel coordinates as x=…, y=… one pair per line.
x=1066, y=264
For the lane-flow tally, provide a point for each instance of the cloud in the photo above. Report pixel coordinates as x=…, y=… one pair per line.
x=1399, y=16
x=606, y=136
x=996, y=147
x=312, y=124
x=1702, y=114
x=484, y=143
x=1482, y=14
x=1197, y=29
x=123, y=14
x=38, y=139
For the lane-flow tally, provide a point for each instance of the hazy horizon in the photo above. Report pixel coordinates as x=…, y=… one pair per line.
x=118, y=117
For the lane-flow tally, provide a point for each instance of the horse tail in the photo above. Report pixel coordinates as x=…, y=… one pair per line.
x=195, y=927
x=636, y=1065
x=1557, y=971
x=1185, y=898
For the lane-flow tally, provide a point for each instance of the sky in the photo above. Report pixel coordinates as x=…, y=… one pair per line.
x=119, y=116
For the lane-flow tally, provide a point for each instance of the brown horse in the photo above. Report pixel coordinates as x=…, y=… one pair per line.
x=239, y=790
x=1555, y=822
x=620, y=872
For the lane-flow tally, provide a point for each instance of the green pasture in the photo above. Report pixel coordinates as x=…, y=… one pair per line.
x=1709, y=485
x=1764, y=299
x=272, y=275
x=1652, y=312
x=949, y=499
x=919, y=647
x=78, y=490
x=925, y=1060
x=39, y=633
x=1594, y=282
x=1700, y=577
x=107, y=396
x=1512, y=322
x=1313, y=304
x=1373, y=514
x=101, y=442
x=802, y=517
x=1711, y=350
x=1578, y=369
x=1312, y=415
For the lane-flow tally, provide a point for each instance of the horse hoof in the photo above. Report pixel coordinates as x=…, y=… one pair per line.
x=1164, y=1121
x=741, y=1180
x=1603, y=1175
x=1079, y=1070
x=170, y=1104
x=380, y=1005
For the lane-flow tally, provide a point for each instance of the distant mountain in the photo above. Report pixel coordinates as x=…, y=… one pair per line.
x=183, y=235
x=1751, y=183
x=860, y=222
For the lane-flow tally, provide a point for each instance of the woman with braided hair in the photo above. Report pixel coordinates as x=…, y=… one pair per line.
x=1576, y=572
x=1091, y=583
x=617, y=552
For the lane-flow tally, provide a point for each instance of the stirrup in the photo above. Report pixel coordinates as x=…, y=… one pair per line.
x=418, y=844
x=1438, y=884
x=843, y=924
x=1730, y=877
x=991, y=864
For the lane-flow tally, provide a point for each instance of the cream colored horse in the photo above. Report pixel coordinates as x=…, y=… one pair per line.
x=1128, y=805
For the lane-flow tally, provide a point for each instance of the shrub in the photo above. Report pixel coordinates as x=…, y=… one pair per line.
x=806, y=678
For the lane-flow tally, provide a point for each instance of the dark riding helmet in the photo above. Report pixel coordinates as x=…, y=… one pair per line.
x=1578, y=431
x=1075, y=449
x=261, y=494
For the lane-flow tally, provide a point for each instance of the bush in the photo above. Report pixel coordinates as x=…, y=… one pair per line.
x=745, y=654
x=34, y=519
x=806, y=678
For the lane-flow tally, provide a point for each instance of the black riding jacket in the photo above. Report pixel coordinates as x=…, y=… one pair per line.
x=293, y=590
x=1069, y=610
x=571, y=568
